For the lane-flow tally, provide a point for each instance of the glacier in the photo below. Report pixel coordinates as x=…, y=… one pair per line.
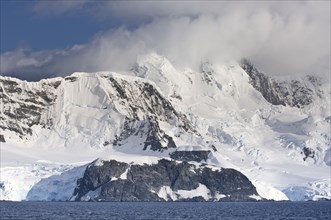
x=274, y=131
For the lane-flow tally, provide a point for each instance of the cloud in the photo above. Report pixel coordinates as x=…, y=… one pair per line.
x=281, y=38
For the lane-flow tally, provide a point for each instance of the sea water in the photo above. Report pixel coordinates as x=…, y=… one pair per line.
x=164, y=210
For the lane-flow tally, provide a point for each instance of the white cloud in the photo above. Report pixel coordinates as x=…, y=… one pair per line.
x=281, y=37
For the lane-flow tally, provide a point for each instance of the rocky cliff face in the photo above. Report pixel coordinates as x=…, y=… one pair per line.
x=165, y=181
x=194, y=155
x=293, y=93
x=27, y=105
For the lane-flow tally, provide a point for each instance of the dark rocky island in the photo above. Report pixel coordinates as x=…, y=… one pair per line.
x=167, y=180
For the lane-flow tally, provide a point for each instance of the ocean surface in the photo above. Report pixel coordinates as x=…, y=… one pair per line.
x=163, y=210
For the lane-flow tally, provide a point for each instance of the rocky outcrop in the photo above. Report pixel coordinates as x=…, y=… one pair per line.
x=97, y=175
x=148, y=132
x=24, y=107
x=157, y=139
x=308, y=152
x=164, y=181
x=142, y=98
x=293, y=93
x=195, y=155
x=2, y=138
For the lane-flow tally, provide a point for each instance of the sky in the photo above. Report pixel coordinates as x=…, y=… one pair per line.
x=41, y=39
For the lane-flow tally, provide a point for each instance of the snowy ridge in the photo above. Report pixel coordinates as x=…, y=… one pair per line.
x=145, y=114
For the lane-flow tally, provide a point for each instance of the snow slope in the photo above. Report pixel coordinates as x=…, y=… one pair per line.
x=284, y=150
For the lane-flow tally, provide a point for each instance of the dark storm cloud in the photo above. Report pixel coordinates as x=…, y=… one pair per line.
x=280, y=37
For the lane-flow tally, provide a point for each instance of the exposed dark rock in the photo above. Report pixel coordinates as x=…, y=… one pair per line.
x=106, y=143
x=70, y=78
x=148, y=130
x=126, y=191
x=9, y=83
x=197, y=155
x=155, y=136
x=128, y=129
x=118, y=87
x=45, y=96
x=56, y=84
x=233, y=183
x=97, y=175
x=150, y=101
x=143, y=182
x=308, y=152
x=2, y=138
x=293, y=93
x=2, y=185
x=24, y=107
x=176, y=96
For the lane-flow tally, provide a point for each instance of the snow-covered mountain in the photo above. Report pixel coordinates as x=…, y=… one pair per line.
x=228, y=115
